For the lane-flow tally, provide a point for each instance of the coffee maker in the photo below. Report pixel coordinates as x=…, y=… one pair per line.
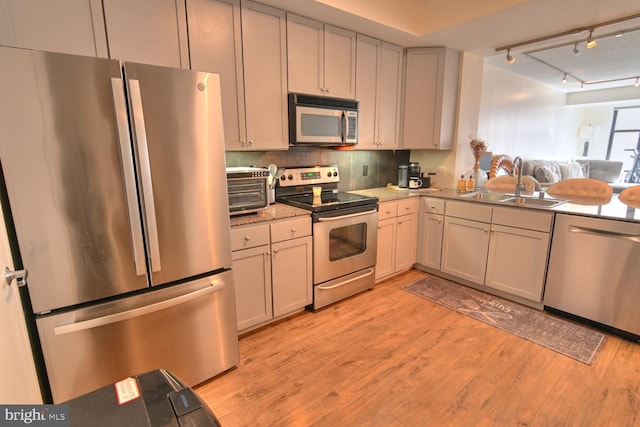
x=414, y=170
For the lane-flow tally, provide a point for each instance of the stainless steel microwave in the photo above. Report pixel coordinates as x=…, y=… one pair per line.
x=316, y=120
x=248, y=189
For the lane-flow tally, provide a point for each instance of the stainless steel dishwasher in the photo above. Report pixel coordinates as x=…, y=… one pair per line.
x=594, y=271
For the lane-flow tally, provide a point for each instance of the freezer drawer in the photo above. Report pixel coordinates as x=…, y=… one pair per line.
x=189, y=329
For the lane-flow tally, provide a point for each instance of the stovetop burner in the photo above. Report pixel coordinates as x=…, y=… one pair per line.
x=328, y=200
x=296, y=189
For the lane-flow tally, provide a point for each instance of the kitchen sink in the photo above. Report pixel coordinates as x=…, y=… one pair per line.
x=488, y=197
x=533, y=201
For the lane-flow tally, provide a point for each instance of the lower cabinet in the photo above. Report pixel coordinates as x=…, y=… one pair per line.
x=430, y=230
x=517, y=259
x=272, y=265
x=397, y=229
x=501, y=248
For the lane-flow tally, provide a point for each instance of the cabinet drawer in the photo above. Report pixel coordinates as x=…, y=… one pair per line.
x=432, y=206
x=290, y=229
x=523, y=218
x=249, y=237
x=408, y=206
x=471, y=211
x=387, y=210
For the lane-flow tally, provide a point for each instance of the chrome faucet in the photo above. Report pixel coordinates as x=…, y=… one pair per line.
x=517, y=166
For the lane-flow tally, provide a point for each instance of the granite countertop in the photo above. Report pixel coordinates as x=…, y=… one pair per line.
x=271, y=213
x=606, y=209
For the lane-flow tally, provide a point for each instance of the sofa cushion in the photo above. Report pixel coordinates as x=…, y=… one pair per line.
x=547, y=175
x=571, y=170
x=604, y=170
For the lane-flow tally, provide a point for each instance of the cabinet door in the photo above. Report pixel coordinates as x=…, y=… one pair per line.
x=66, y=26
x=389, y=96
x=465, y=248
x=430, y=98
x=367, y=65
x=339, y=62
x=517, y=261
x=421, y=103
x=385, y=258
x=265, y=77
x=406, y=231
x=252, y=277
x=430, y=243
x=216, y=46
x=148, y=31
x=292, y=269
x=305, y=55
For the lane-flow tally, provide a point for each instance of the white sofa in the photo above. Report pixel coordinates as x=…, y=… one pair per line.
x=548, y=172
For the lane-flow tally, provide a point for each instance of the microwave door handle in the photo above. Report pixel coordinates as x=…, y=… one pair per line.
x=344, y=126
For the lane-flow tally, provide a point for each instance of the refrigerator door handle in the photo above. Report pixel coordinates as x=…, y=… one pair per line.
x=216, y=286
x=135, y=226
x=145, y=173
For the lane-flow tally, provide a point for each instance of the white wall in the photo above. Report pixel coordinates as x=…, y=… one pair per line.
x=521, y=117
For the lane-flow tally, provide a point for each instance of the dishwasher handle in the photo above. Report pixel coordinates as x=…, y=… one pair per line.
x=607, y=233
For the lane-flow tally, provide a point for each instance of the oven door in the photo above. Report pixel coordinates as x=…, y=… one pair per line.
x=344, y=244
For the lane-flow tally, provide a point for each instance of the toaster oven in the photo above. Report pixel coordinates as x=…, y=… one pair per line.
x=248, y=189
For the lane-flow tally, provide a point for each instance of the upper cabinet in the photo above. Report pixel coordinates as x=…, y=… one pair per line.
x=148, y=31
x=65, y=26
x=430, y=98
x=378, y=91
x=321, y=58
x=247, y=47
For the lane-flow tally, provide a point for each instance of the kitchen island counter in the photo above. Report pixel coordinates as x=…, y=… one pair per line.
x=610, y=209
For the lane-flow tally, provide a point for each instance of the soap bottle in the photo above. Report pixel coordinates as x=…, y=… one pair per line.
x=461, y=184
x=471, y=183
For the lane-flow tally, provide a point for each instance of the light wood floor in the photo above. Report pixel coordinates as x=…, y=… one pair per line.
x=389, y=358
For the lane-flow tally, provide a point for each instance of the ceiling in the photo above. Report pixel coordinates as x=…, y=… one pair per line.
x=480, y=27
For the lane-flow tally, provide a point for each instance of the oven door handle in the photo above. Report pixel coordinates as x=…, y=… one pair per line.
x=362, y=276
x=338, y=218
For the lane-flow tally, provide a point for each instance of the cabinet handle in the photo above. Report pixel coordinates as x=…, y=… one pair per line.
x=293, y=230
x=247, y=238
x=275, y=251
x=399, y=222
x=251, y=142
x=486, y=230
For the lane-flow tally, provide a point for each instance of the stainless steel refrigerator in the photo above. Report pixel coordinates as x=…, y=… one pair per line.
x=115, y=178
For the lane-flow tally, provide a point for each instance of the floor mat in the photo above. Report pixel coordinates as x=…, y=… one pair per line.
x=570, y=339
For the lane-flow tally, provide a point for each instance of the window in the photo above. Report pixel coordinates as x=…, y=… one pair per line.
x=624, y=141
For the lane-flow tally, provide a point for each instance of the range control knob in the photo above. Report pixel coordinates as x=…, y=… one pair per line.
x=329, y=174
x=335, y=173
x=283, y=177
x=290, y=176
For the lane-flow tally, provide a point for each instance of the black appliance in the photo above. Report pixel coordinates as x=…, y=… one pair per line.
x=153, y=399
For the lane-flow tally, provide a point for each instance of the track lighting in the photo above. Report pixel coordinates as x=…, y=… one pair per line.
x=564, y=78
x=637, y=83
x=575, y=49
x=582, y=86
x=510, y=59
x=591, y=42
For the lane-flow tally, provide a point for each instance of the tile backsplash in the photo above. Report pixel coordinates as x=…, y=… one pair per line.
x=358, y=169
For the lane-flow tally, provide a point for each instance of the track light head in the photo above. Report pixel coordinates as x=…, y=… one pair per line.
x=575, y=49
x=510, y=59
x=591, y=42
x=637, y=83
x=564, y=78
